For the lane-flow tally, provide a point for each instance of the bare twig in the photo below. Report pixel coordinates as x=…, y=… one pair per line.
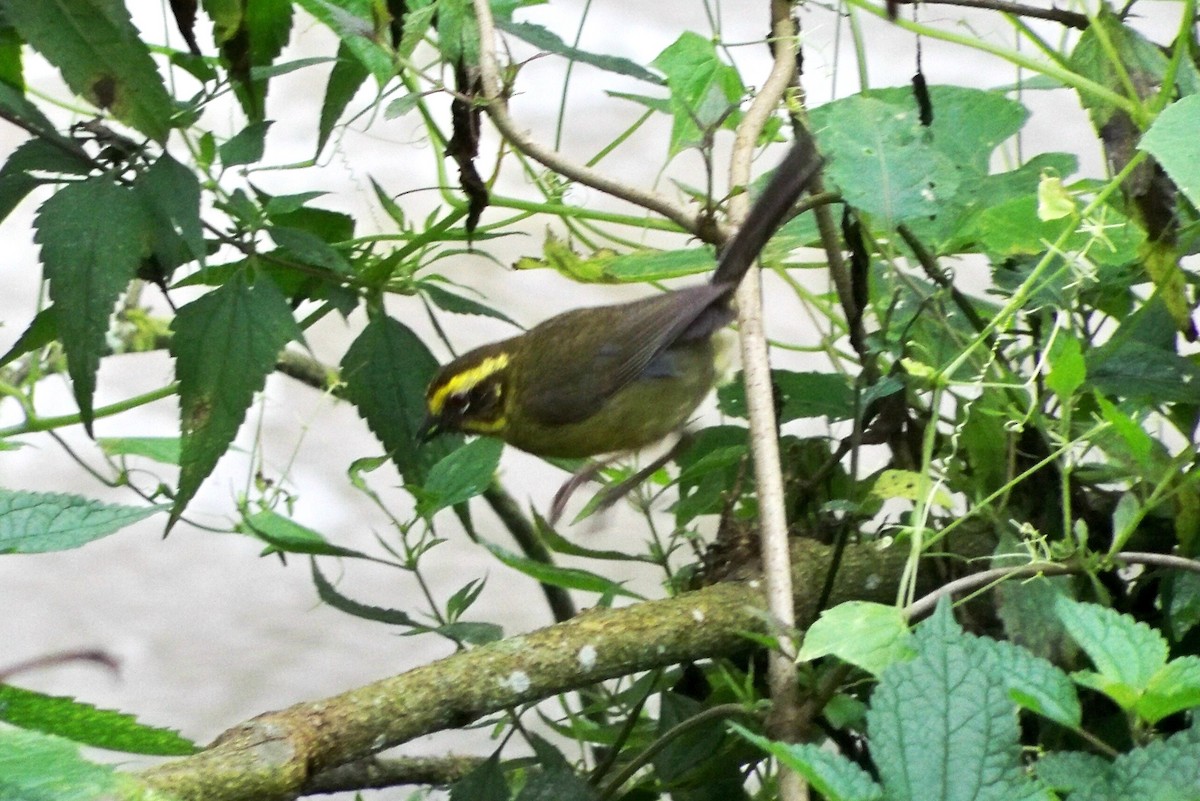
x=497, y=109
x=760, y=403
x=1070, y=19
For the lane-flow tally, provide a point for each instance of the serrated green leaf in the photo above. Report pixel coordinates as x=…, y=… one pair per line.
x=386, y=371
x=468, y=631
x=1183, y=611
x=1173, y=142
x=308, y=248
x=224, y=344
x=457, y=304
x=41, y=332
x=831, y=774
x=869, y=635
x=460, y=476
x=567, y=577
x=101, y=56
x=89, y=258
x=347, y=75
x=39, y=767
x=352, y=21
x=329, y=594
x=1133, y=369
x=1067, y=771
x=1027, y=609
x=160, y=449
x=172, y=194
x=246, y=146
x=705, y=91
x=484, y=783
x=1037, y=685
x=84, y=723
x=942, y=726
x=1172, y=689
x=38, y=522
x=43, y=155
x=1164, y=770
x=1126, y=652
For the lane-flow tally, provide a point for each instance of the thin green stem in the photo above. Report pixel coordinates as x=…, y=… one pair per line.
x=35, y=424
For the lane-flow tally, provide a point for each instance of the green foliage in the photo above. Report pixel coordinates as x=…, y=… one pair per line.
x=1004, y=358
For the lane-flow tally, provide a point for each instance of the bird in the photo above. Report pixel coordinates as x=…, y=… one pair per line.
x=617, y=378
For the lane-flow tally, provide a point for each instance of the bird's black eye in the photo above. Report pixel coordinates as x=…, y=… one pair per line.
x=457, y=404
x=484, y=400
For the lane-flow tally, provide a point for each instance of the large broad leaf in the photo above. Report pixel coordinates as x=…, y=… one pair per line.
x=172, y=194
x=386, y=371
x=942, y=726
x=1165, y=769
x=1173, y=142
x=84, y=723
x=37, y=522
x=40, y=155
x=38, y=767
x=89, y=258
x=101, y=57
x=225, y=343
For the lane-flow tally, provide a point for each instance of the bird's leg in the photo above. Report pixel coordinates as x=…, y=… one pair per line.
x=577, y=479
x=610, y=495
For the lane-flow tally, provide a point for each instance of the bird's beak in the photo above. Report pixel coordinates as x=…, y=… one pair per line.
x=427, y=430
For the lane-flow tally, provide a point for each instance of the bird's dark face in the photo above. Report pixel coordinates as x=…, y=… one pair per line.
x=469, y=395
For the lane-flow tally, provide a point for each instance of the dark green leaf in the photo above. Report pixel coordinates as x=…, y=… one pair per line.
x=39, y=767
x=347, y=76
x=90, y=258
x=1133, y=369
x=546, y=40
x=172, y=194
x=461, y=600
x=246, y=146
x=330, y=595
x=485, y=783
x=225, y=344
x=101, y=56
x=1164, y=770
x=1027, y=609
x=801, y=395
x=829, y=773
x=161, y=449
x=40, y=333
x=560, y=544
x=14, y=104
x=557, y=785
x=386, y=371
x=309, y=248
x=460, y=476
x=84, y=723
x=351, y=21
x=1067, y=771
x=567, y=577
x=18, y=179
x=457, y=304
x=1183, y=596
x=37, y=522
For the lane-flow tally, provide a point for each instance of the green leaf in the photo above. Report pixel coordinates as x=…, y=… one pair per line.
x=246, y=146
x=351, y=21
x=1183, y=594
x=1137, y=370
x=484, y=783
x=171, y=192
x=869, y=635
x=42, y=155
x=88, y=725
x=457, y=304
x=942, y=726
x=1067, y=370
x=1037, y=685
x=1067, y=771
x=16, y=106
x=1126, y=652
x=89, y=258
x=225, y=344
x=800, y=396
x=882, y=159
x=1164, y=770
x=39, y=767
x=38, y=522
x=705, y=92
x=460, y=476
x=549, y=42
x=468, y=631
x=286, y=535
x=308, y=248
x=831, y=774
x=567, y=577
x=1027, y=609
x=330, y=595
x=101, y=56
x=1173, y=142
x=347, y=76
x=41, y=332
x=386, y=371
x=1172, y=689
x=160, y=449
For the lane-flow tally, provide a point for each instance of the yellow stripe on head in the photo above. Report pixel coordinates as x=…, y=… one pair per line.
x=464, y=380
